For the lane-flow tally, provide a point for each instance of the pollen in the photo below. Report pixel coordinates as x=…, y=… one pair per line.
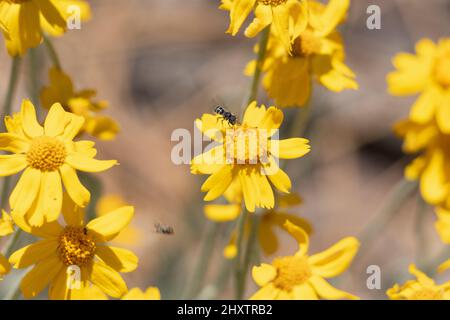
x=291, y=272
x=46, y=154
x=427, y=294
x=305, y=45
x=272, y=2
x=76, y=246
x=244, y=145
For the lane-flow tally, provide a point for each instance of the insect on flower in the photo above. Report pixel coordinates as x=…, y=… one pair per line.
x=226, y=115
x=163, y=229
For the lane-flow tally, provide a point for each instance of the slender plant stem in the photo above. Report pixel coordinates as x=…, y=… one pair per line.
x=52, y=52
x=399, y=194
x=301, y=120
x=262, y=49
x=33, y=55
x=203, y=262
x=8, y=249
x=421, y=239
x=239, y=277
x=249, y=254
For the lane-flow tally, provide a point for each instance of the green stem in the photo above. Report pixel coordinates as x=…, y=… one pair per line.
x=34, y=75
x=262, y=49
x=301, y=120
x=421, y=243
x=203, y=262
x=52, y=52
x=240, y=280
x=249, y=254
x=397, y=197
x=9, y=248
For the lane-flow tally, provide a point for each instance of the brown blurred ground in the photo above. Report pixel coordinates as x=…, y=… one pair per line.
x=162, y=63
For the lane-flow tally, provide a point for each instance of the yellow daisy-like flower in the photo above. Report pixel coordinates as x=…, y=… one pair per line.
x=81, y=103
x=152, y=293
x=76, y=245
x=302, y=277
x=288, y=17
x=423, y=288
x=431, y=166
x=247, y=153
x=317, y=54
x=47, y=154
x=426, y=73
x=131, y=235
x=26, y=20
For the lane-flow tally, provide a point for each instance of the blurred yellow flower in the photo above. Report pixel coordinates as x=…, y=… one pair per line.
x=79, y=245
x=423, y=288
x=152, y=293
x=6, y=224
x=246, y=153
x=47, y=154
x=81, y=103
x=442, y=225
x=426, y=73
x=130, y=236
x=26, y=20
x=288, y=17
x=317, y=54
x=269, y=220
x=302, y=277
x=432, y=163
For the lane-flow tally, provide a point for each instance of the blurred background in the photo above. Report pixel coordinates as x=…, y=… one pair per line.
x=163, y=63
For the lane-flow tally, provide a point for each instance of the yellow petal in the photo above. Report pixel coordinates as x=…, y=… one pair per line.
x=73, y=127
x=263, y=18
x=300, y=235
x=247, y=190
x=6, y=224
x=11, y=164
x=73, y=214
x=263, y=274
x=79, y=194
x=13, y=143
x=434, y=184
x=272, y=120
x=152, y=293
x=444, y=266
x=218, y=183
x=84, y=163
x=336, y=259
x=33, y=253
x=327, y=291
x=121, y=260
x=209, y=161
x=4, y=266
x=40, y=276
x=268, y=292
x=277, y=176
x=424, y=108
x=240, y=10
x=56, y=121
x=30, y=124
x=222, y=213
x=109, y=225
x=108, y=280
x=254, y=115
x=304, y=292
x=47, y=230
x=290, y=148
x=280, y=17
x=421, y=277
x=26, y=191
x=443, y=114
x=267, y=238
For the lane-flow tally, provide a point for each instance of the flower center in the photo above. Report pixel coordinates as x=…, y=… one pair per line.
x=245, y=145
x=272, y=2
x=442, y=70
x=427, y=294
x=76, y=246
x=17, y=1
x=46, y=154
x=306, y=44
x=291, y=272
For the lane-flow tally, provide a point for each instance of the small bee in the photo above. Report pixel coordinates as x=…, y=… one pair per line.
x=226, y=115
x=163, y=229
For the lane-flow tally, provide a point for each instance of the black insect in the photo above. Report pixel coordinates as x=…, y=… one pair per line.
x=226, y=115
x=163, y=229
x=85, y=231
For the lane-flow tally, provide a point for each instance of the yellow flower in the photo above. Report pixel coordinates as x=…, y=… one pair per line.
x=246, y=154
x=81, y=103
x=26, y=20
x=288, y=17
x=426, y=73
x=152, y=293
x=423, y=288
x=75, y=245
x=6, y=224
x=431, y=166
x=302, y=277
x=130, y=236
x=47, y=154
x=317, y=55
